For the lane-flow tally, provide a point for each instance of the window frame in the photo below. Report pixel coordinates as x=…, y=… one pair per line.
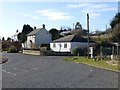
x=65, y=45
x=54, y=45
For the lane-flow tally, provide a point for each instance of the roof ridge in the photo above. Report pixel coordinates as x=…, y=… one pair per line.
x=34, y=31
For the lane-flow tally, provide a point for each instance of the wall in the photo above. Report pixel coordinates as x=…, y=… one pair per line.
x=78, y=44
x=43, y=37
x=60, y=47
x=29, y=44
x=32, y=52
x=70, y=45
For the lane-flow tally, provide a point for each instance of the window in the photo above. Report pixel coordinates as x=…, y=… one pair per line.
x=65, y=45
x=54, y=45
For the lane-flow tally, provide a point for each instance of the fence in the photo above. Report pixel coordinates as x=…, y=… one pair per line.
x=113, y=51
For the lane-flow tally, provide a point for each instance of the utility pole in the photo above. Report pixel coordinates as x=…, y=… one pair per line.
x=88, y=32
x=73, y=26
x=106, y=33
x=106, y=41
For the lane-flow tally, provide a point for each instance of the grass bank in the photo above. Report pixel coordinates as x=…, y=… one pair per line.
x=99, y=63
x=3, y=59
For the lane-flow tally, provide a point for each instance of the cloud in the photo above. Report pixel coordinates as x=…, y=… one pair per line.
x=25, y=14
x=94, y=15
x=78, y=5
x=53, y=15
x=93, y=8
x=36, y=17
x=90, y=10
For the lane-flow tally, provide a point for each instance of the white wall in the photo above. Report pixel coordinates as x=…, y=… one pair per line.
x=70, y=45
x=32, y=38
x=43, y=37
x=59, y=47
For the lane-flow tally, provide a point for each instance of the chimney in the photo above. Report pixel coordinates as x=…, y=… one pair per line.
x=34, y=27
x=44, y=26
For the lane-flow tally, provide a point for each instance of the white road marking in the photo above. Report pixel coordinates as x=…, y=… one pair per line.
x=91, y=69
x=20, y=69
x=14, y=68
x=9, y=72
x=34, y=68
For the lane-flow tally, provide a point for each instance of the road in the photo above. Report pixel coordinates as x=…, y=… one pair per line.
x=27, y=71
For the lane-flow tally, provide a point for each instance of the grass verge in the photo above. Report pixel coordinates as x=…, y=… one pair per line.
x=99, y=63
x=3, y=60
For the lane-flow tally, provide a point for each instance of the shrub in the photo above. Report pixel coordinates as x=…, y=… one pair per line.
x=11, y=50
x=80, y=51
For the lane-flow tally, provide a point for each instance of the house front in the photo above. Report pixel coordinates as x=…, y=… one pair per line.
x=38, y=37
x=67, y=43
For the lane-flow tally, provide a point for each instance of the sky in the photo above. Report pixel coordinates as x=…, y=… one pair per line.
x=13, y=15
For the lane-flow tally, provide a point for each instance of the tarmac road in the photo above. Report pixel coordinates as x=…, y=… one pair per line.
x=27, y=71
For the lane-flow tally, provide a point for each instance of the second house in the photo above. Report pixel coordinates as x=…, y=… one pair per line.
x=38, y=37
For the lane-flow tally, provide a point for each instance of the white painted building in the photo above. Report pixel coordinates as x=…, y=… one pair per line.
x=15, y=36
x=65, y=44
x=38, y=37
x=64, y=33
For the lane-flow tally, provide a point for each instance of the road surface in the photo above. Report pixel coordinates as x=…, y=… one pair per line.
x=27, y=71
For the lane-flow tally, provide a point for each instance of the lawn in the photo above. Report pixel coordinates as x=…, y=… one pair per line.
x=99, y=63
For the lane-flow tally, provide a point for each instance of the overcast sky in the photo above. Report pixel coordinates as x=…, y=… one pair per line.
x=54, y=15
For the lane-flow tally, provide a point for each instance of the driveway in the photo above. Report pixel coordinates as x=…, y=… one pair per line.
x=27, y=71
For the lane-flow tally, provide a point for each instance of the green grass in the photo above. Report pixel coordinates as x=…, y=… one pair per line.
x=91, y=62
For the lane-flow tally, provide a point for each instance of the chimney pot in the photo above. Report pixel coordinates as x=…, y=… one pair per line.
x=44, y=26
x=34, y=27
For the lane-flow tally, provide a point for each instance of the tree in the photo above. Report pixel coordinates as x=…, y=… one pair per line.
x=19, y=37
x=3, y=39
x=23, y=35
x=115, y=20
x=115, y=25
x=116, y=33
x=55, y=33
x=78, y=26
x=8, y=39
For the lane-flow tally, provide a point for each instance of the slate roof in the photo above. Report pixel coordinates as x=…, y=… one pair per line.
x=72, y=38
x=34, y=31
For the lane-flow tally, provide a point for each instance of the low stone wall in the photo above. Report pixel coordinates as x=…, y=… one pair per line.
x=32, y=52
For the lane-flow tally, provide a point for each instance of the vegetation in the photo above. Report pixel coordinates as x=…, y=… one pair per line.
x=11, y=47
x=22, y=37
x=115, y=20
x=55, y=33
x=3, y=60
x=111, y=34
x=79, y=51
x=91, y=62
x=115, y=25
x=78, y=26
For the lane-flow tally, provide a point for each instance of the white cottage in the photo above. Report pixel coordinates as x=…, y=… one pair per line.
x=65, y=44
x=38, y=37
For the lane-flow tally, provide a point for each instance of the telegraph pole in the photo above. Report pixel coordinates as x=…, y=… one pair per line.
x=88, y=32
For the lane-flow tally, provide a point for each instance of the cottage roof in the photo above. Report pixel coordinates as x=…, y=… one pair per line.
x=34, y=31
x=71, y=38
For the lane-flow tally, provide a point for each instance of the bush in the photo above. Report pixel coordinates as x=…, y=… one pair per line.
x=10, y=50
x=79, y=51
x=5, y=49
